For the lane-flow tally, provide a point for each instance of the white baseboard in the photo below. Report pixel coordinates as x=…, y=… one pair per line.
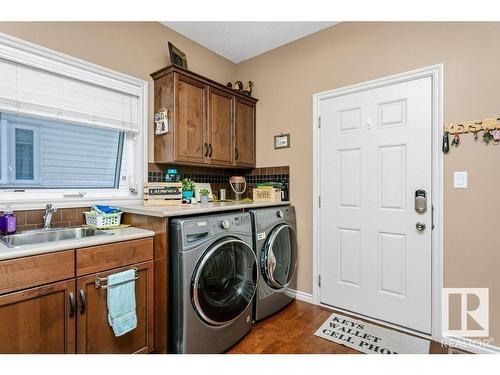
x=301, y=296
x=472, y=346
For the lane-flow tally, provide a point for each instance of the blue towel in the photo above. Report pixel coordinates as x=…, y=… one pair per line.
x=105, y=209
x=121, y=302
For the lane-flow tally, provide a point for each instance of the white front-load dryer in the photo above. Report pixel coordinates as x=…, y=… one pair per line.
x=213, y=280
x=275, y=244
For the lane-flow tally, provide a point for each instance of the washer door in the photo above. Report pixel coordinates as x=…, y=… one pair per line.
x=225, y=281
x=279, y=256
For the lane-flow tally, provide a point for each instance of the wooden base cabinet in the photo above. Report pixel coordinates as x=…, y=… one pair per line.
x=209, y=123
x=39, y=320
x=41, y=313
x=95, y=336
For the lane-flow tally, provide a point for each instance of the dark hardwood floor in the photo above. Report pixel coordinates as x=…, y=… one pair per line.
x=291, y=331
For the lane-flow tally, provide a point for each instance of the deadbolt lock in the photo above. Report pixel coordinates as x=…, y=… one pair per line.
x=420, y=201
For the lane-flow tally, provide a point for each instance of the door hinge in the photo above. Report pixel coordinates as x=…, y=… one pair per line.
x=319, y=122
x=319, y=280
x=319, y=201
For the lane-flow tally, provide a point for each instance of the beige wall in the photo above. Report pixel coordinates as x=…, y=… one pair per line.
x=286, y=78
x=134, y=48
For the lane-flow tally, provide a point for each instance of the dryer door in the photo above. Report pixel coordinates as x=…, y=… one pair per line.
x=225, y=281
x=279, y=256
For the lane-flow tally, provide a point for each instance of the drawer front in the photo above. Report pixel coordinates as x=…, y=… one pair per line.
x=105, y=257
x=22, y=273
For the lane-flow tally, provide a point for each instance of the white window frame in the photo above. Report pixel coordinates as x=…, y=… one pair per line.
x=135, y=145
x=37, y=154
x=3, y=147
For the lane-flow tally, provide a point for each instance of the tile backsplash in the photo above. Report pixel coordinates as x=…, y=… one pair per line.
x=218, y=177
x=63, y=217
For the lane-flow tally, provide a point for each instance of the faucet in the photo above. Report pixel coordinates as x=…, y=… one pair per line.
x=47, y=218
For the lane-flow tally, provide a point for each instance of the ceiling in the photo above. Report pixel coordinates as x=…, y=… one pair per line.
x=240, y=41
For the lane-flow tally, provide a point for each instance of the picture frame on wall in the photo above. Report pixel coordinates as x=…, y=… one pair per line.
x=177, y=57
x=281, y=141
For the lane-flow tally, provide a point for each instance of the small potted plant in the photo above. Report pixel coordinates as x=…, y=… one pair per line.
x=187, y=188
x=204, y=196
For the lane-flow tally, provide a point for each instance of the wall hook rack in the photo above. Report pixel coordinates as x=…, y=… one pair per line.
x=473, y=126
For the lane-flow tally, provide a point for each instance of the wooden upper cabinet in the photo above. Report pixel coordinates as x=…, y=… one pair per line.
x=190, y=120
x=244, y=133
x=95, y=336
x=40, y=320
x=208, y=121
x=220, y=130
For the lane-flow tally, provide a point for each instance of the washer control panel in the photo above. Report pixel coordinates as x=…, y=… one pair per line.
x=225, y=224
x=197, y=230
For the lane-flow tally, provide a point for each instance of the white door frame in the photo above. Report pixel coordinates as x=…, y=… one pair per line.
x=436, y=73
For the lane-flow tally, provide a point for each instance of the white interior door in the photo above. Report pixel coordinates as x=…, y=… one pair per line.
x=375, y=153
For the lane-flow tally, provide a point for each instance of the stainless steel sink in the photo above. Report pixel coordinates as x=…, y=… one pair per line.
x=49, y=235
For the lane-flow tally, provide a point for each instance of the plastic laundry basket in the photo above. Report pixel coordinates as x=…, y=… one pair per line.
x=103, y=220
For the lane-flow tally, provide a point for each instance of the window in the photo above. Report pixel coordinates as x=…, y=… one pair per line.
x=71, y=132
x=50, y=154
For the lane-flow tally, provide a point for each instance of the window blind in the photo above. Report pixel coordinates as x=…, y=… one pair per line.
x=29, y=91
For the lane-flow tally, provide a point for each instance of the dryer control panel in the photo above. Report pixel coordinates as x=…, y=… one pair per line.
x=268, y=217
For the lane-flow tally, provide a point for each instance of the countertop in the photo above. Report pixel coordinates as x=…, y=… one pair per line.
x=171, y=211
x=117, y=235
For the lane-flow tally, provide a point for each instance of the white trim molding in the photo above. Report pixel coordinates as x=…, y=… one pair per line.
x=436, y=74
x=31, y=55
x=301, y=296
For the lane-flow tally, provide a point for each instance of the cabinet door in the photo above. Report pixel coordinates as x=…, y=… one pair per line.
x=190, y=123
x=95, y=336
x=39, y=320
x=220, y=129
x=244, y=131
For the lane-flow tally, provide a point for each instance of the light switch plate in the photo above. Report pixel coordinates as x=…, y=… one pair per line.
x=460, y=180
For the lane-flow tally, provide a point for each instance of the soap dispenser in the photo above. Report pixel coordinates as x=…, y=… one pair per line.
x=8, y=222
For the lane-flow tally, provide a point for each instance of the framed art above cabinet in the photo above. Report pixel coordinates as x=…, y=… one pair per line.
x=209, y=123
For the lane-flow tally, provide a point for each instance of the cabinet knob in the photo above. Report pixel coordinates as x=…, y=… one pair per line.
x=235, y=154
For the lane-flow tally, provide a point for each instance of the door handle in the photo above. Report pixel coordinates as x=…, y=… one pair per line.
x=236, y=154
x=420, y=226
x=210, y=152
x=205, y=148
x=83, y=301
x=72, y=306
